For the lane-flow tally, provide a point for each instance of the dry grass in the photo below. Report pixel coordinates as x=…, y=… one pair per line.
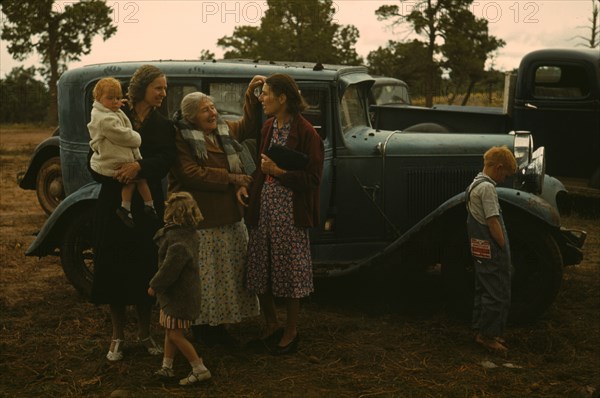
x=354, y=344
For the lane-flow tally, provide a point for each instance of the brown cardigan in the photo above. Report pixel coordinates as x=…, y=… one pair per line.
x=208, y=181
x=304, y=183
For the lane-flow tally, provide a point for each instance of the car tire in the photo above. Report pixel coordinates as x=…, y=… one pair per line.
x=538, y=268
x=76, y=252
x=537, y=271
x=427, y=128
x=49, y=185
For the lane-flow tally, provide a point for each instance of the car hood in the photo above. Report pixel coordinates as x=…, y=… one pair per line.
x=366, y=141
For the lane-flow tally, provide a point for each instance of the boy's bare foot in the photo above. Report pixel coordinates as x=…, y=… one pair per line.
x=491, y=344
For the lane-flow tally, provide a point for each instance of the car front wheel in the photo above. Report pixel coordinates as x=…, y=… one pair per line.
x=538, y=269
x=49, y=185
x=76, y=252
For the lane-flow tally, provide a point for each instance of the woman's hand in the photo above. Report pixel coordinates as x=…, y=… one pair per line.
x=256, y=81
x=127, y=172
x=242, y=180
x=151, y=292
x=268, y=166
x=242, y=196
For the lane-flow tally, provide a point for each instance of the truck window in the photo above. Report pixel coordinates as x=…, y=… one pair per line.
x=560, y=81
x=354, y=109
x=390, y=94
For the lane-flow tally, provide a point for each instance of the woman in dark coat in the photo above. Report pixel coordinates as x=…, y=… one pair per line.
x=283, y=205
x=125, y=259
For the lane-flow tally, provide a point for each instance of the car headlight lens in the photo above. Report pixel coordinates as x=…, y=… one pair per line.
x=531, y=178
x=523, y=148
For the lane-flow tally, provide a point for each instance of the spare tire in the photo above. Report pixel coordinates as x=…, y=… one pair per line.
x=427, y=128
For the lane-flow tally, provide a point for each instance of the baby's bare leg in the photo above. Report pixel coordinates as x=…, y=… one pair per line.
x=144, y=190
x=127, y=193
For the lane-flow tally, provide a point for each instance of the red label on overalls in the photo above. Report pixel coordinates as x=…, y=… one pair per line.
x=481, y=248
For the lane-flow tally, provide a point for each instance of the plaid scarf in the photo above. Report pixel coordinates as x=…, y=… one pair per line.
x=239, y=159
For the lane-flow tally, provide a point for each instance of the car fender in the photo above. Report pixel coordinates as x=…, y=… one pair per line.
x=44, y=151
x=526, y=202
x=48, y=239
x=555, y=193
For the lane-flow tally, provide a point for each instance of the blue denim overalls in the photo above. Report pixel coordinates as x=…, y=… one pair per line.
x=492, y=266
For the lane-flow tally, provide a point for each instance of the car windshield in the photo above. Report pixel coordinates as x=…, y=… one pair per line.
x=353, y=109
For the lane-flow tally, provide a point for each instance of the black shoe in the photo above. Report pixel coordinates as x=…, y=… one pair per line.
x=291, y=348
x=125, y=216
x=150, y=212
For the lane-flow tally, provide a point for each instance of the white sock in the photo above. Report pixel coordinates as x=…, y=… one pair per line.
x=167, y=363
x=149, y=203
x=126, y=205
x=198, y=367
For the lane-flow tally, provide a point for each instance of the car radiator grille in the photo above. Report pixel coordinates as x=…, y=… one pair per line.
x=428, y=189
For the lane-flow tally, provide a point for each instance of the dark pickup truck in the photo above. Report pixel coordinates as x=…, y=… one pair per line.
x=390, y=200
x=555, y=96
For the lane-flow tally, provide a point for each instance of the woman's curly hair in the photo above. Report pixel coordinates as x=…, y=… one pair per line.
x=181, y=209
x=139, y=82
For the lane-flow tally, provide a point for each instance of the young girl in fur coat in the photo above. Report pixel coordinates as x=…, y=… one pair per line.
x=177, y=284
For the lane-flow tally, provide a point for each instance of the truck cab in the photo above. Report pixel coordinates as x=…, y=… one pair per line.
x=555, y=96
x=557, y=99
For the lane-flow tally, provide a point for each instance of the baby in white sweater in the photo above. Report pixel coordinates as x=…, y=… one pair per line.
x=114, y=142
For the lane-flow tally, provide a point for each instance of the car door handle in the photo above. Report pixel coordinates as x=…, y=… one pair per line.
x=530, y=106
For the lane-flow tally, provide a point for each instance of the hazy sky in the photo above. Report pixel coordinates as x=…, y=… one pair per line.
x=171, y=29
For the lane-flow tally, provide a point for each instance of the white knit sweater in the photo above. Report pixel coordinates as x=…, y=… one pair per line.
x=113, y=140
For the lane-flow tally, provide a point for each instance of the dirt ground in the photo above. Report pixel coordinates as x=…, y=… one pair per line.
x=53, y=343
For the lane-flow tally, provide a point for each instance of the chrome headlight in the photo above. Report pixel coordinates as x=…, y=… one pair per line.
x=531, y=178
x=523, y=148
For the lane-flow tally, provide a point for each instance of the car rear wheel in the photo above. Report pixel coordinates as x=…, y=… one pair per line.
x=76, y=252
x=49, y=185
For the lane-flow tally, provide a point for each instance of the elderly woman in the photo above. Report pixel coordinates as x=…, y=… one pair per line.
x=125, y=259
x=211, y=165
x=283, y=204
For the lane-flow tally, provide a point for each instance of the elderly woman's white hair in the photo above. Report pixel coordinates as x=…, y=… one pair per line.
x=191, y=103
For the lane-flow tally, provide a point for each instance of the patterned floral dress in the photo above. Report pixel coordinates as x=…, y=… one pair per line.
x=224, y=299
x=279, y=259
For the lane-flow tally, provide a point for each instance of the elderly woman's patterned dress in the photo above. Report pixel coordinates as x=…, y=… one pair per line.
x=279, y=258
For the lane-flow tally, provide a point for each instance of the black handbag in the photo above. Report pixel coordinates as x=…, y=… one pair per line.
x=286, y=158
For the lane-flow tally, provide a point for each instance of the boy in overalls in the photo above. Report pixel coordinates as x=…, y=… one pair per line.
x=490, y=249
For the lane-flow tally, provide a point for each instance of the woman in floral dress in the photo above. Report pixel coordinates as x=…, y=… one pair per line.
x=282, y=206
